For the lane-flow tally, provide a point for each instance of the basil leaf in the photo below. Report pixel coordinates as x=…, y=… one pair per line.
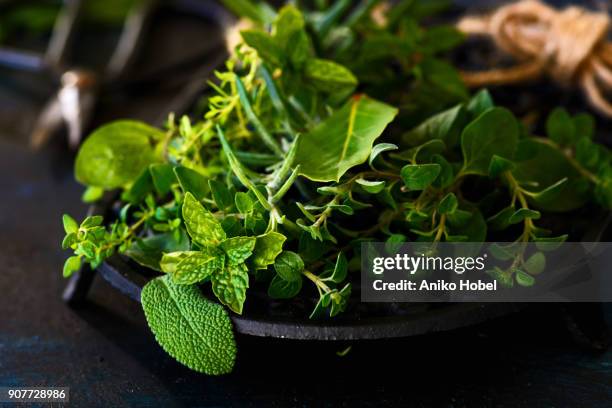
x=343, y=140
x=201, y=225
x=193, y=330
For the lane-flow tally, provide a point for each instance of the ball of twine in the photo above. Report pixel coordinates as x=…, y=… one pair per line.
x=569, y=45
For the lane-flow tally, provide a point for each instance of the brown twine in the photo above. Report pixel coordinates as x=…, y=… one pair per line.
x=570, y=45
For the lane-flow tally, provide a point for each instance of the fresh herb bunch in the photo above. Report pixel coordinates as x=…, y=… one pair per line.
x=281, y=181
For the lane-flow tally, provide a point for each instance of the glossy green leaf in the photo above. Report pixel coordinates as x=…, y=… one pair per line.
x=115, y=154
x=343, y=140
x=221, y=194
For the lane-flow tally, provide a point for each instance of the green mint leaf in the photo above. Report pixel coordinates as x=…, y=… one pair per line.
x=289, y=266
x=163, y=177
x=238, y=249
x=560, y=127
x=201, y=225
x=328, y=76
x=70, y=225
x=189, y=267
x=493, y=132
x=189, y=327
x=419, y=176
x=115, y=154
x=265, y=46
x=282, y=289
x=499, y=165
x=448, y=204
x=343, y=140
x=192, y=182
x=230, y=285
x=71, y=265
x=267, y=248
x=92, y=194
x=535, y=264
